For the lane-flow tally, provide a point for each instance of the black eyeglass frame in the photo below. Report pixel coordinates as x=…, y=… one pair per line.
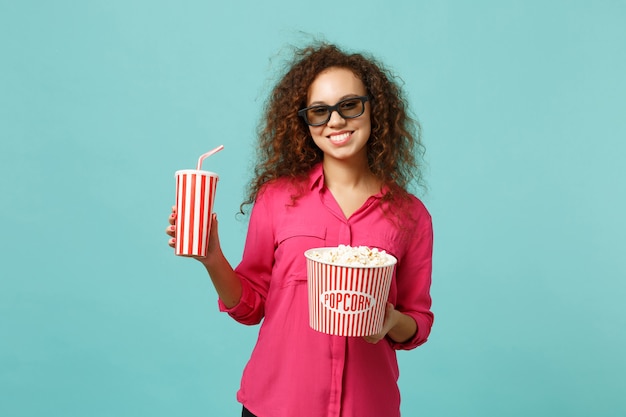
x=331, y=109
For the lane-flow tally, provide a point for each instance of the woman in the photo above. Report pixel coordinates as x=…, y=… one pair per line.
x=337, y=152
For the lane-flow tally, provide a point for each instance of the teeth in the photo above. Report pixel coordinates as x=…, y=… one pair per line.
x=339, y=138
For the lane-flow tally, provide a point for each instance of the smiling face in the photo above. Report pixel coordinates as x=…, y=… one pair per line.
x=340, y=139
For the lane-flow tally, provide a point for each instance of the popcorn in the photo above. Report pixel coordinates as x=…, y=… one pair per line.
x=353, y=256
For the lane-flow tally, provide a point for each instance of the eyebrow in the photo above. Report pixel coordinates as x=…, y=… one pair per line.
x=321, y=103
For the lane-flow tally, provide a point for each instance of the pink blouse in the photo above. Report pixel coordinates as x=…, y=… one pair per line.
x=295, y=370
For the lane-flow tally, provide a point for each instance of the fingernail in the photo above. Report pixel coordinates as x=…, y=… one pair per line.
x=172, y=228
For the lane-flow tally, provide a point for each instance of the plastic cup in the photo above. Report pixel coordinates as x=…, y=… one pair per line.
x=347, y=300
x=195, y=194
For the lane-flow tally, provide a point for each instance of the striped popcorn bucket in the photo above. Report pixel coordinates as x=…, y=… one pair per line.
x=195, y=192
x=347, y=300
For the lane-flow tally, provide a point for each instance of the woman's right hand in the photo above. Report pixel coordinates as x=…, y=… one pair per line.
x=214, y=248
x=171, y=229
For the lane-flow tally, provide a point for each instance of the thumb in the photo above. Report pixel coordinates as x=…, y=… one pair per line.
x=213, y=232
x=214, y=224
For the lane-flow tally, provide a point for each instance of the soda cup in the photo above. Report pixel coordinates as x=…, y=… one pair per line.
x=195, y=194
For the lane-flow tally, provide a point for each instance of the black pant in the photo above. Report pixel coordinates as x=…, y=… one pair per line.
x=246, y=413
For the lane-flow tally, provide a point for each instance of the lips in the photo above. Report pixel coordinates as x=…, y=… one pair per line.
x=340, y=137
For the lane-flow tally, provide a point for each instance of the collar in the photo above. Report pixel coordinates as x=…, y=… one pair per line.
x=316, y=180
x=316, y=177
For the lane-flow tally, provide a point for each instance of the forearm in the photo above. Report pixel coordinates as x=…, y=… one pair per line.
x=225, y=280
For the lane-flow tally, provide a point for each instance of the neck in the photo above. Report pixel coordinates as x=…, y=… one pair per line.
x=348, y=174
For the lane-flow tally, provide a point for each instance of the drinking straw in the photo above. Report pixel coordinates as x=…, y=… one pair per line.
x=206, y=155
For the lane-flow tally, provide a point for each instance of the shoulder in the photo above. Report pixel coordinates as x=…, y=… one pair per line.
x=275, y=189
x=409, y=217
x=280, y=193
x=405, y=206
x=290, y=188
x=415, y=217
x=418, y=208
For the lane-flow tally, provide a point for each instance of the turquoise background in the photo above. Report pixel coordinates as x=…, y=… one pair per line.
x=524, y=117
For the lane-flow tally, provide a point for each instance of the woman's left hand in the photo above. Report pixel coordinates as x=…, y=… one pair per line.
x=392, y=316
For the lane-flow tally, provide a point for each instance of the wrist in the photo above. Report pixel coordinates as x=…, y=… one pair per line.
x=213, y=259
x=404, y=328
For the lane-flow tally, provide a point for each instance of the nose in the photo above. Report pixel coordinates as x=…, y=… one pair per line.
x=335, y=119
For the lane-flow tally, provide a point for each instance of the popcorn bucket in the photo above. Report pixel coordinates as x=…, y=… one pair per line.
x=347, y=300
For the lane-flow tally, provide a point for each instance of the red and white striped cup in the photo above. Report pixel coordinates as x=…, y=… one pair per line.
x=347, y=300
x=195, y=193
